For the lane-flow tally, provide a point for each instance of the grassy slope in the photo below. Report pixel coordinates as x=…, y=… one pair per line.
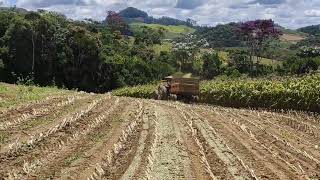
x=294, y=32
x=171, y=31
x=289, y=37
x=13, y=95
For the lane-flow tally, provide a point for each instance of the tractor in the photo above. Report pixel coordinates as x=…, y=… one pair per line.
x=185, y=88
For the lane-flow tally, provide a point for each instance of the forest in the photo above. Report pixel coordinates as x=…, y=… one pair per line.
x=46, y=48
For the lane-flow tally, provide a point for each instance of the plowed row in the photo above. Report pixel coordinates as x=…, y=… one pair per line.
x=104, y=137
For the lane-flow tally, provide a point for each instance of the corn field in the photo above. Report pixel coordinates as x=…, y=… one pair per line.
x=292, y=93
x=289, y=93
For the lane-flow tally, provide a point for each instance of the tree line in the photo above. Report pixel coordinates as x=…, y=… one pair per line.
x=46, y=48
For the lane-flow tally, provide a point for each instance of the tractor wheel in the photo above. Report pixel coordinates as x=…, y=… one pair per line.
x=161, y=93
x=173, y=97
x=195, y=99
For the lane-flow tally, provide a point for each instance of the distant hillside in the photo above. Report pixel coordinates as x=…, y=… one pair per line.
x=225, y=35
x=171, y=31
x=19, y=10
x=132, y=15
x=311, y=30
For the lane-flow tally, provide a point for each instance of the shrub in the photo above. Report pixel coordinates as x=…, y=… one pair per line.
x=146, y=91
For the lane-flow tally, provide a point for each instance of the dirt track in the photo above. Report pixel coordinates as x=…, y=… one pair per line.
x=106, y=137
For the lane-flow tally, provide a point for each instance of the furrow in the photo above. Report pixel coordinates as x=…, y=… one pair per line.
x=19, y=146
x=53, y=151
x=113, y=159
x=38, y=112
x=249, y=154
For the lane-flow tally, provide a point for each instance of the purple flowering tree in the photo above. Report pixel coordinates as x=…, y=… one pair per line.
x=257, y=35
x=116, y=22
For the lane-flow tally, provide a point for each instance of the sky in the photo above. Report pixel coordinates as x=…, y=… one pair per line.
x=288, y=13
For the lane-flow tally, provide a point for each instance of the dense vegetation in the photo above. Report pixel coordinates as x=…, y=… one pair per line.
x=221, y=35
x=46, y=48
x=310, y=41
x=285, y=93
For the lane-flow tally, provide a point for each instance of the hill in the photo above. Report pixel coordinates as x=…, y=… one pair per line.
x=225, y=35
x=132, y=12
x=311, y=30
x=15, y=9
x=132, y=15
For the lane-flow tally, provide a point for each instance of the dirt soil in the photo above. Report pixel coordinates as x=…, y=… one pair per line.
x=292, y=38
x=105, y=137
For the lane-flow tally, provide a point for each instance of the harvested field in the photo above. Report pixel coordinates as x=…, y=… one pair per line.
x=292, y=38
x=88, y=136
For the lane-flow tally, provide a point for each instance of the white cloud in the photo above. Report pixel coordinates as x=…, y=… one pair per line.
x=312, y=13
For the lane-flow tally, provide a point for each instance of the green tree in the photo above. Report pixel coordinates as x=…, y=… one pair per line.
x=297, y=65
x=34, y=23
x=211, y=65
x=241, y=61
x=185, y=51
x=17, y=39
x=149, y=36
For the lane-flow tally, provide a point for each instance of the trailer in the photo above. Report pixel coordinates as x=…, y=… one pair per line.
x=179, y=88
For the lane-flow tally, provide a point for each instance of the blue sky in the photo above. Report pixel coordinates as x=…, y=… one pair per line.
x=289, y=13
